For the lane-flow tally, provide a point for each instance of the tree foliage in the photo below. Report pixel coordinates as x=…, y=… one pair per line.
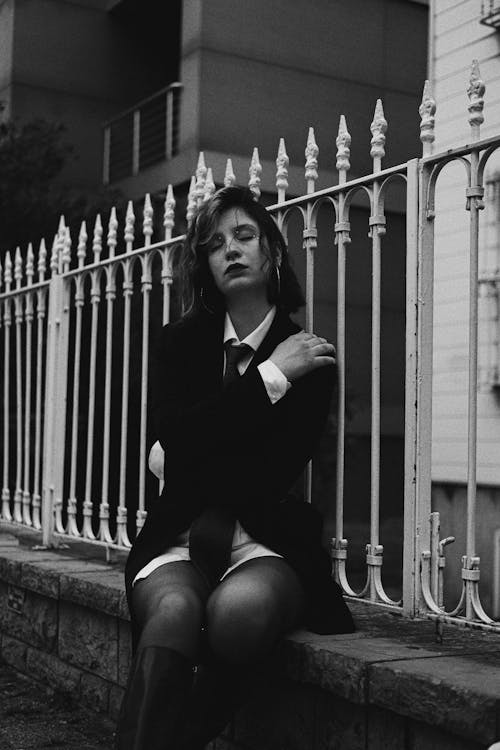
x=32, y=196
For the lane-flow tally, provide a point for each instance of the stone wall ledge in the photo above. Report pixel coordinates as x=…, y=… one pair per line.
x=391, y=665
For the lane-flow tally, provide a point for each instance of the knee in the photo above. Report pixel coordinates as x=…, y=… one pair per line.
x=177, y=606
x=240, y=630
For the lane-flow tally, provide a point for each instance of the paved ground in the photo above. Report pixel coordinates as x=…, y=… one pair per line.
x=31, y=717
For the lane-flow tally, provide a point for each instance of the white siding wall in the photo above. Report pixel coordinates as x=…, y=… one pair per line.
x=459, y=37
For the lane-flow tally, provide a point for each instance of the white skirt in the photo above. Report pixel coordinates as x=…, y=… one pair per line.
x=243, y=548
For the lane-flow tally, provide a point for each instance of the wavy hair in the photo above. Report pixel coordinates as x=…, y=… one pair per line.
x=197, y=287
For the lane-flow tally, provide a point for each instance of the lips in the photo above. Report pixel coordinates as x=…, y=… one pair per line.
x=234, y=268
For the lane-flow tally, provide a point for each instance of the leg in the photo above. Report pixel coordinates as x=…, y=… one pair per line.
x=252, y=608
x=246, y=615
x=169, y=605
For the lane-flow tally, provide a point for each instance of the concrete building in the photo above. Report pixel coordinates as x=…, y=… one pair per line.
x=462, y=31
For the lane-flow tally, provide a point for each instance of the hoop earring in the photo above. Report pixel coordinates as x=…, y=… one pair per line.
x=207, y=308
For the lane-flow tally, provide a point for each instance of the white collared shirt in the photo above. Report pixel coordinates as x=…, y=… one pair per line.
x=275, y=382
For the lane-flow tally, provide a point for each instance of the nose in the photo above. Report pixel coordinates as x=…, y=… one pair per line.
x=233, y=249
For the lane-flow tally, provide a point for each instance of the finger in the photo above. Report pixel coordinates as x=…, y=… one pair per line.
x=323, y=361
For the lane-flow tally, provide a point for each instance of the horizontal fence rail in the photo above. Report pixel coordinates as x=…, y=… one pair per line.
x=143, y=135
x=76, y=351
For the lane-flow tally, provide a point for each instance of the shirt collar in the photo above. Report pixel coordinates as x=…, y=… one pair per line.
x=256, y=337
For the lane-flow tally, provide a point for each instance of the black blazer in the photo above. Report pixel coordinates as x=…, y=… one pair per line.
x=230, y=447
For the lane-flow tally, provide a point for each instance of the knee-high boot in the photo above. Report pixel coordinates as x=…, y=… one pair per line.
x=219, y=691
x=153, y=708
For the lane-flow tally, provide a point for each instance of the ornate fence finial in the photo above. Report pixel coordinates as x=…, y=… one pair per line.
x=147, y=219
x=254, y=172
x=378, y=129
x=343, y=142
x=54, y=262
x=128, y=235
x=62, y=225
x=42, y=260
x=229, y=177
x=427, y=110
x=169, y=212
x=201, y=174
x=66, y=249
x=209, y=185
x=282, y=162
x=475, y=92
x=18, y=267
x=97, y=240
x=112, y=232
x=30, y=264
x=311, y=154
x=8, y=271
x=191, y=204
x=81, y=250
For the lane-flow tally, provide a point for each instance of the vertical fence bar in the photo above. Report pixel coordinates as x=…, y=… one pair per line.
x=169, y=123
x=27, y=389
x=474, y=196
x=342, y=238
x=410, y=557
x=7, y=321
x=106, y=157
x=40, y=314
x=136, y=141
x=309, y=243
x=377, y=229
x=18, y=307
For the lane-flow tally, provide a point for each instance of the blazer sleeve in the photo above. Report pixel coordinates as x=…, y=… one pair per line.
x=239, y=411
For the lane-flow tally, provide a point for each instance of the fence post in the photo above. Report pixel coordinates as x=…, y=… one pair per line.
x=55, y=404
x=410, y=558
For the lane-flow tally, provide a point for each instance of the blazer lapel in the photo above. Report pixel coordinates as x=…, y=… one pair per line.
x=281, y=328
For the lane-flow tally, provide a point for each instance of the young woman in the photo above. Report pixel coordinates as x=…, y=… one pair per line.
x=229, y=559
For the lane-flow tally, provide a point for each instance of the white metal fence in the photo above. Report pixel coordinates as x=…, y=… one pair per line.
x=75, y=427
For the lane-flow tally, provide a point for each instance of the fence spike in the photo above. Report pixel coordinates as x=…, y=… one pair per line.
x=66, y=248
x=191, y=204
x=81, y=251
x=54, y=255
x=169, y=212
x=42, y=259
x=343, y=142
x=18, y=267
x=229, y=177
x=129, y=226
x=311, y=154
x=112, y=232
x=1, y=274
x=147, y=218
x=282, y=162
x=378, y=129
x=427, y=110
x=97, y=239
x=254, y=172
x=475, y=92
x=8, y=271
x=62, y=225
x=201, y=174
x=209, y=185
x=30, y=264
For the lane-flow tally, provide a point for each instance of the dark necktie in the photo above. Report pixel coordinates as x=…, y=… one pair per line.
x=211, y=534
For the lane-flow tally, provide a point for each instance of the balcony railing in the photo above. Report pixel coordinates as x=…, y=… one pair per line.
x=490, y=13
x=143, y=135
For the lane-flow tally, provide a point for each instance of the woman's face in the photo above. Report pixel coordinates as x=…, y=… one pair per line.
x=235, y=258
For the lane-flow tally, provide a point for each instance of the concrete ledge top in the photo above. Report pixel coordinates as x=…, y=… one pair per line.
x=451, y=682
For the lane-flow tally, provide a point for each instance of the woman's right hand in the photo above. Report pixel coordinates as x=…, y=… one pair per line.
x=301, y=353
